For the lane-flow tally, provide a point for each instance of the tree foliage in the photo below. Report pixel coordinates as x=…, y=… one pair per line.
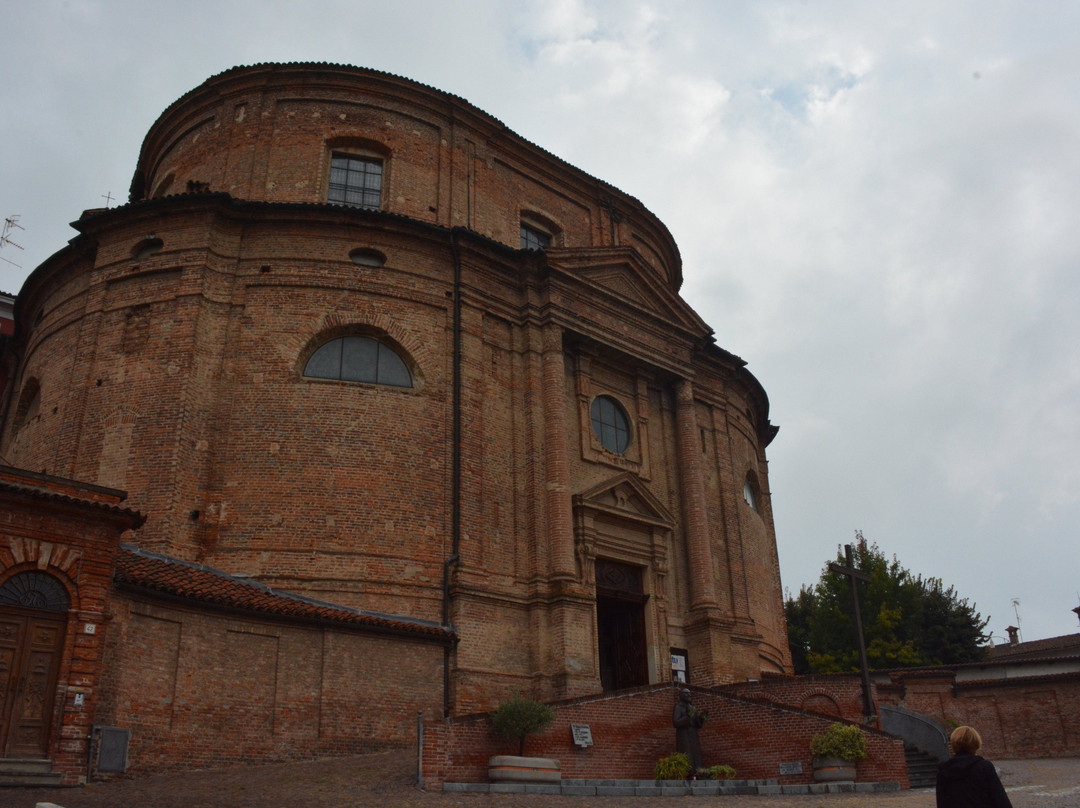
x=908, y=620
x=518, y=717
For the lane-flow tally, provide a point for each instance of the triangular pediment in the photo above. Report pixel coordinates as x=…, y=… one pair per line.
x=626, y=497
x=623, y=274
x=619, y=278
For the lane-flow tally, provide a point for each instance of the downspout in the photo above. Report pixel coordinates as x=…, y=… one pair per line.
x=455, y=464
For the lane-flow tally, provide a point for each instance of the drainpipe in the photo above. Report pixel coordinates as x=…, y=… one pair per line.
x=455, y=464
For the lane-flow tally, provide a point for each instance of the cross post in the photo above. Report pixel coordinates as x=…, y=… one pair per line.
x=852, y=574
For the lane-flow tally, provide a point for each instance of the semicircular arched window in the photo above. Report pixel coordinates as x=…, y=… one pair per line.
x=35, y=590
x=610, y=424
x=358, y=359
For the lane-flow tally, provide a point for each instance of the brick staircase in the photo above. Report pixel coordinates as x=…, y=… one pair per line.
x=921, y=768
x=16, y=772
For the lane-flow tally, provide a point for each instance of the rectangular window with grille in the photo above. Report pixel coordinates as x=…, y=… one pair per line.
x=355, y=181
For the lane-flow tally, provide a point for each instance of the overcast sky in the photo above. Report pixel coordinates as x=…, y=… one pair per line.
x=878, y=207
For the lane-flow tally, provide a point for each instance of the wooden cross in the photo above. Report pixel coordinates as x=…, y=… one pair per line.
x=852, y=574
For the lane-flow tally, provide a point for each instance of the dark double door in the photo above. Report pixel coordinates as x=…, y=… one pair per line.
x=31, y=644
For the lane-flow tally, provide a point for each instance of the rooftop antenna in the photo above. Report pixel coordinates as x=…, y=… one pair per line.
x=10, y=223
x=1016, y=611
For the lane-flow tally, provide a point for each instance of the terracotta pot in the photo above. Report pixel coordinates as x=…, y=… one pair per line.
x=514, y=769
x=829, y=770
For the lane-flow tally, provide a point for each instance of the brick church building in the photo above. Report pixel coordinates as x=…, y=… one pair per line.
x=363, y=405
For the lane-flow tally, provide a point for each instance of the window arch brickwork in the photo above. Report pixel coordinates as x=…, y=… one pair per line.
x=380, y=328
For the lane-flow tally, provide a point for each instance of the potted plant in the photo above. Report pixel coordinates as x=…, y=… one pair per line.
x=673, y=767
x=836, y=751
x=515, y=719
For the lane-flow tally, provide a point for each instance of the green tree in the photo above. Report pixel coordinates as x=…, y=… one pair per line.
x=518, y=717
x=908, y=620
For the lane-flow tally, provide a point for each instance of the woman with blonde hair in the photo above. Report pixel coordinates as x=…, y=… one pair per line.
x=966, y=780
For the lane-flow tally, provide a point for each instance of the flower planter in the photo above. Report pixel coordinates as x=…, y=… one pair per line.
x=515, y=769
x=830, y=770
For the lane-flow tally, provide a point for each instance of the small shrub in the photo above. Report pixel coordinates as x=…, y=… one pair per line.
x=517, y=717
x=718, y=772
x=844, y=741
x=673, y=767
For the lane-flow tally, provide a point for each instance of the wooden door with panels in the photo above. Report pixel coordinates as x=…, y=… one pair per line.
x=33, y=625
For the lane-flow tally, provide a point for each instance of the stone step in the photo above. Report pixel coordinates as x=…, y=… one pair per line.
x=27, y=772
x=669, y=788
x=25, y=766
x=922, y=768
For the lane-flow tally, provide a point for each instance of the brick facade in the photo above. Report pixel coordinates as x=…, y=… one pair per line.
x=71, y=533
x=163, y=351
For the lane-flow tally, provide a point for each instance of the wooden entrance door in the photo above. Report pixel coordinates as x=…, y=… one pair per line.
x=30, y=649
x=621, y=629
x=620, y=626
x=33, y=623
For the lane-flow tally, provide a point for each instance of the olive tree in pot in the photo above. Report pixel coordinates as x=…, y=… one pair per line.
x=515, y=719
x=836, y=751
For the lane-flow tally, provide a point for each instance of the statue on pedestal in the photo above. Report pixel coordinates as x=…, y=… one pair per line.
x=688, y=720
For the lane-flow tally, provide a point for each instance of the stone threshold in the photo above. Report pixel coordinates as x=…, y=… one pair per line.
x=671, y=788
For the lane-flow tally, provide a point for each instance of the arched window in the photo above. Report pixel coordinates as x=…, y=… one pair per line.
x=35, y=590
x=358, y=359
x=147, y=247
x=610, y=424
x=29, y=403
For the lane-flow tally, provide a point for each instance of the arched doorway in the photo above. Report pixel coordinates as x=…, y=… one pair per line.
x=33, y=622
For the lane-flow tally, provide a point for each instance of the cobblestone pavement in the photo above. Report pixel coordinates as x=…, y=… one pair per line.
x=386, y=780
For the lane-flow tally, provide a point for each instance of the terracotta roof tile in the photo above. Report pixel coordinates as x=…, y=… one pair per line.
x=152, y=572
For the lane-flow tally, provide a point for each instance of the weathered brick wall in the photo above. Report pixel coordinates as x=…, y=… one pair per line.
x=1024, y=717
x=633, y=730
x=836, y=695
x=1021, y=717
x=200, y=689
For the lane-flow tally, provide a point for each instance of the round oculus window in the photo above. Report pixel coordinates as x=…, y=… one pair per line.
x=610, y=424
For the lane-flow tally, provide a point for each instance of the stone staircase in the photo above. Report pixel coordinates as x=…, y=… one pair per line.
x=19, y=772
x=921, y=768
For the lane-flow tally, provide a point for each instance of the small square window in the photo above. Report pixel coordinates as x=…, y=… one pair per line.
x=355, y=181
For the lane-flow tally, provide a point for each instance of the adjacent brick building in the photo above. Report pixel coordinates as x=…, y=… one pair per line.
x=415, y=402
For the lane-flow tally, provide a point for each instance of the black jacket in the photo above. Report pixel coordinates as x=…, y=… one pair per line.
x=969, y=781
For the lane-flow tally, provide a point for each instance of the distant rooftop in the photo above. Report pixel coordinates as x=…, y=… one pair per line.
x=1049, y=648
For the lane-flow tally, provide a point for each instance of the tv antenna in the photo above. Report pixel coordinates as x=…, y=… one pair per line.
x=1016, y=611
x=10, y=223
